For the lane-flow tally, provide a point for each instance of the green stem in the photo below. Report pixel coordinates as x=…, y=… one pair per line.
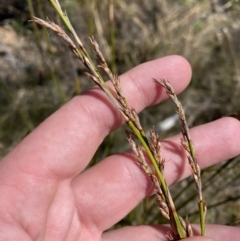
x=62, y=16
x=23, y=114
x=112, y=34
x=54, y=78
x=144, y=142
x=202, y=217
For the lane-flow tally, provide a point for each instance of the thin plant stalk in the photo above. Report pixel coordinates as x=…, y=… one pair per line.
x=180, y=228
x=54, y=78
x=112, y=35
x=22, y=113
x=37, y=37
x=188, y=145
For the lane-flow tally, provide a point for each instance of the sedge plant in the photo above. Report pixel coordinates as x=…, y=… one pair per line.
x=148, y=152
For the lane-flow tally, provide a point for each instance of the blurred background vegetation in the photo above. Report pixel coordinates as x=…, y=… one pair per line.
x=38, y=74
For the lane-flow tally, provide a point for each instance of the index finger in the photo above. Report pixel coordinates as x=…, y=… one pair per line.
x=63, y=144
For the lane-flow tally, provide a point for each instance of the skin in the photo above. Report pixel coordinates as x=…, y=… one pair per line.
x=46, y=195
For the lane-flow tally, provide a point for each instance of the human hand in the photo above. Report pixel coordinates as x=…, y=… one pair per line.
x=46, y=195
